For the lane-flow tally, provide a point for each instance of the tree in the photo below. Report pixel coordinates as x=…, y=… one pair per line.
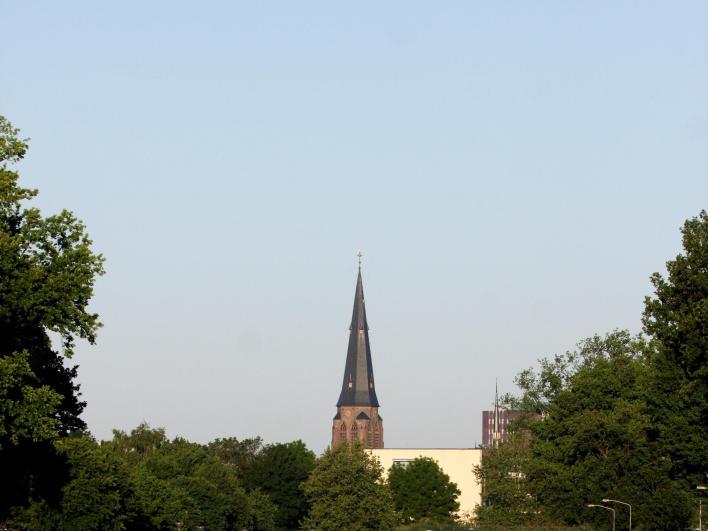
x=98, y=489
x=279, y=470
x=27, y=412
x=160, y=504
x=422, y=490
x=261, y=511
x=140, y=443
x=346, y=491
x=505, y=489
x=47, y=272
x=238, y=454
x=594, y=442
x=179, y=481
x=182, y=482
x=28, y=426
x=96, y=496
x=676, y=318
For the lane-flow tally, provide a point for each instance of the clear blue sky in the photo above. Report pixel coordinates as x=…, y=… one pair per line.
x=514, y=172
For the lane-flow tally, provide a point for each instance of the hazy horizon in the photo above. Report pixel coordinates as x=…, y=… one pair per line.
x=513, y=172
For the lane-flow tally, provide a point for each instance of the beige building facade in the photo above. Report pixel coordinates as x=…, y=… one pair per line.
x=455, y=462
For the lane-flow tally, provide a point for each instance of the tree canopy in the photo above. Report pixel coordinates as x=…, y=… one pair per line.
x=279, y=471
x=594, y=442
x=346, y=491
x=27, y=412
x=179, y=481
x=422, y=490
x=47, y=274
x=238, y=454
x=47, y=267
x=676, y=318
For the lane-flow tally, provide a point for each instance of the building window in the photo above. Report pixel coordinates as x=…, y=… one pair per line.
x=403, y=463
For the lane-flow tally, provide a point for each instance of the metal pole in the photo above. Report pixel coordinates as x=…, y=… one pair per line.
x=700, y=507
x=607, y=508
x=623, y=503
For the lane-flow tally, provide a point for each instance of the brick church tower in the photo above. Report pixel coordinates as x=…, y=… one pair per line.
x=357, y=415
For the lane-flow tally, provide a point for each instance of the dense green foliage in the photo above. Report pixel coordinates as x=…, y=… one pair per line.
x=142, y=480
x=47, y=267
x=279, y=470
x=96, y=495
x=594, y=442
x=676, y=318
x=238, y=454
x=47, y=273
x=180, y=481
x=27, y=412
x=261, y=511
x=346, y=491
x=422, y=490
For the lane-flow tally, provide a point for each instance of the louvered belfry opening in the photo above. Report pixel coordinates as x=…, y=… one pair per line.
x=358, y=407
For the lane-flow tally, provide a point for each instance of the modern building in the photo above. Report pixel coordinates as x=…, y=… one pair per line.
x=458, y=463
x=357, y=415
x=495, y=423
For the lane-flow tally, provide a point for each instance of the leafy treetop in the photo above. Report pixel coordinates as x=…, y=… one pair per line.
x=676, y=318
x=279, y=470
x=47, y=267
x=346, y=491
x=27, y=412
x=422, y=490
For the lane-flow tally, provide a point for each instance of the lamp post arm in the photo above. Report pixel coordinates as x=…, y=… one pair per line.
x=623, y=503
x=614, y=514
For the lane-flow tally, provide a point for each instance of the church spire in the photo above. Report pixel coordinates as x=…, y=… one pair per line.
x=358, y=383
x=357, y=417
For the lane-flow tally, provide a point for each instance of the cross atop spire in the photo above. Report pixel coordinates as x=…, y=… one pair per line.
x=359, y=255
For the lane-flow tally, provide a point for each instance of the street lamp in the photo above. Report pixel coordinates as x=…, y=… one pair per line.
x=607, y=500
x=607, y=508
x=700, y=507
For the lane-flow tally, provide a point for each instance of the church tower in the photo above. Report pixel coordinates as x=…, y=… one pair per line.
x=357, y=415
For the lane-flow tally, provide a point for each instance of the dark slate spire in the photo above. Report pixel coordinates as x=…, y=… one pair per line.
x=358, y=385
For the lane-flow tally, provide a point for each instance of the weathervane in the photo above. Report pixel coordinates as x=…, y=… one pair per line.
x=359, y=254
